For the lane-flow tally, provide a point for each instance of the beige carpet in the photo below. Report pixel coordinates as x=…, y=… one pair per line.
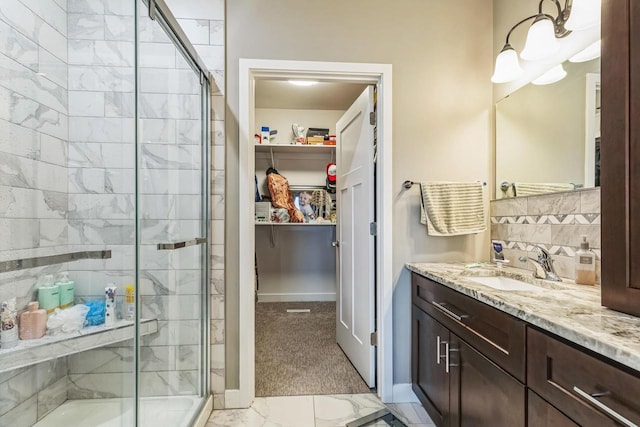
x=297, y=354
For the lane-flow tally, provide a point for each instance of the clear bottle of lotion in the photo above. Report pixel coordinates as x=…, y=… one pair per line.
x=585, y=264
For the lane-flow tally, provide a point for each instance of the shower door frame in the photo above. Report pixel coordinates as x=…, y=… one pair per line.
x=160, y=12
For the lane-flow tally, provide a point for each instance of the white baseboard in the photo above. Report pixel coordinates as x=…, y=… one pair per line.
x=306, y=297
x=403, y=393
x=234, y=399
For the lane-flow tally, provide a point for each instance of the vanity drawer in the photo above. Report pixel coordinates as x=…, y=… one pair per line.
x=587, y=389
x=542, y=414
x=497, y=335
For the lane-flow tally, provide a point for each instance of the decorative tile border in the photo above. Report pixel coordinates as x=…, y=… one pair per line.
x=552, y=249
x=582, y=219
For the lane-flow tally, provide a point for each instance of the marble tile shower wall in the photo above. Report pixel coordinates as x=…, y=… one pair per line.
x=29, y=394
x=554, y=221
x=73, y=174
x=101, y=175
x=102, y=200
x=203, y=22
x=34, y=132
x=171, y=126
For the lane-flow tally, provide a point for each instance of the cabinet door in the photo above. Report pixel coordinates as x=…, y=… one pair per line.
x=620, y=150
x=482, y=394
x=541, y=414
x=492, y=332
x=429, y=376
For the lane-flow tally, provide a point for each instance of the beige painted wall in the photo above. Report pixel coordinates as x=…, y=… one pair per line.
x=441, y=53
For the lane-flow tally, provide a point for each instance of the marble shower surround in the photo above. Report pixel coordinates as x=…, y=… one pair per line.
x=553, y=221
x=93, y=169
x=203, y=21
x=103, y=197
x=101, y=176
x=34, y=130
x=29, y=394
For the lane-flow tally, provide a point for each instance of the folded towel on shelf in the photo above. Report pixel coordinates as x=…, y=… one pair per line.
x=521, y=189
x=452, y=208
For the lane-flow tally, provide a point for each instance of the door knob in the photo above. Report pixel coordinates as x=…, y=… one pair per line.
x=335, y=244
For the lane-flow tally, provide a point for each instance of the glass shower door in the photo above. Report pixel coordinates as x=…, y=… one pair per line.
x=104, y=176
x=172, y=215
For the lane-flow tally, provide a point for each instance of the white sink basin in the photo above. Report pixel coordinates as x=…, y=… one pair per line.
x=504, y=283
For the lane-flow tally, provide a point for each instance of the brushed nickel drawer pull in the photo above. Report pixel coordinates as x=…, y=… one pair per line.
x=595, y=402
x=446, y=361
x=451, y=365
x=438, y=355
x=440, y=306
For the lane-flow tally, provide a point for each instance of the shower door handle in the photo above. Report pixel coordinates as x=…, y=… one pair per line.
x=180, y=245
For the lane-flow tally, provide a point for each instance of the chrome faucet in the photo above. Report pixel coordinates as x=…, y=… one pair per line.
x=543, y=264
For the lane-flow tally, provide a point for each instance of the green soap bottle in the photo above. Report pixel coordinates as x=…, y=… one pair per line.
x=48, y=294
x=66, y=288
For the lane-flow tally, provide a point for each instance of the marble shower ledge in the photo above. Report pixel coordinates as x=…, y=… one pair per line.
x=30, y=352
x=570, y=311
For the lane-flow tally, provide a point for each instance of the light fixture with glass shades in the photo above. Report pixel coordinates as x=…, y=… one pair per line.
x=543, y=34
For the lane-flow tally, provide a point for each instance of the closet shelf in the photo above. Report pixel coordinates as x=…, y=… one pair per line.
x=290, y=148
x=30, y=352
x=298, y=224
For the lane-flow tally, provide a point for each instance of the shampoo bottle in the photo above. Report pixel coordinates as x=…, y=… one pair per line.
x=585, y=264
x=8, y=324
x=110, y=305
x=264, y=135
x=48, y=294
x=129, y=303
x=33, y=322
x=66, y=289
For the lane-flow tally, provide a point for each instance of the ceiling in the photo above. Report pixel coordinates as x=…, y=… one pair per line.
x=321, y=96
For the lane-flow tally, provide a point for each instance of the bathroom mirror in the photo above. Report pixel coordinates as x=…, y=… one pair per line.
x=548, y=136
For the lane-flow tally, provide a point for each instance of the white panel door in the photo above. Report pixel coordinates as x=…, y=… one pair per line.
x=355, y=297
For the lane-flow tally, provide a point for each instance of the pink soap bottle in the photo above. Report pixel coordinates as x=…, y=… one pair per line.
x=33, y=322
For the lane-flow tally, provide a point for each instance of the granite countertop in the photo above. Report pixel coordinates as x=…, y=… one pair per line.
x=568, y=310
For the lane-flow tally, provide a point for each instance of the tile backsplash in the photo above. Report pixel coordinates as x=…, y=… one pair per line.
x=554, y=221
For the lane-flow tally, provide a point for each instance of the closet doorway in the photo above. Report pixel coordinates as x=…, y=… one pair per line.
x=300, y=276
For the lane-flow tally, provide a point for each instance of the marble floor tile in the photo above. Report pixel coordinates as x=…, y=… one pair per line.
x=337, y=410
x=316, y=411
x=284, y=411
x=412, y=414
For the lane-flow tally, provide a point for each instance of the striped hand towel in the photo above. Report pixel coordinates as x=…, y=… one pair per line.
x=452, y=208
x=532, y=188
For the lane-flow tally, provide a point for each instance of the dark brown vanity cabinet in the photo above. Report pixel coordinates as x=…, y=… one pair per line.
x=482, y=394
x=474, y=365
x=620, y=153
x=429, y=374
x=456, y=383
x=588, y=390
